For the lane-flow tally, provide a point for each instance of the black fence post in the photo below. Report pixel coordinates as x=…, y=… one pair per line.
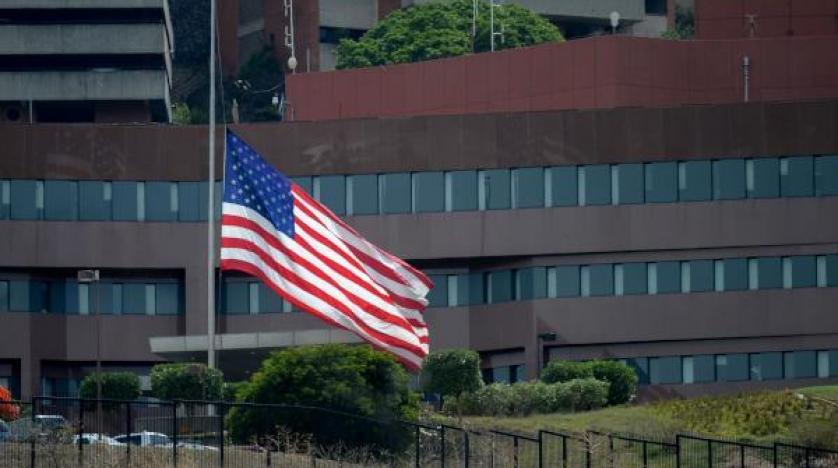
x=742, y=456
x=467, y=449
x=564, y=451
x=81, y=431
x=128, y=428
x=775, y=457
x=610, y=451
x=174, y=433
x=418, y=436
x=442, y=451
x=808, y=455
x=515, y=449
x=646, y=455
x=677, y=451
x=710, y=453
x=222, y=412
x=32, y=434
x=540, y=449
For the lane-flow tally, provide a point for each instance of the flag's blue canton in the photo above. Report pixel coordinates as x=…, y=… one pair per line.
x=250, y=181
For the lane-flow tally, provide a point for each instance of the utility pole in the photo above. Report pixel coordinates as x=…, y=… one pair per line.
x=211, y=199
x=91, y=277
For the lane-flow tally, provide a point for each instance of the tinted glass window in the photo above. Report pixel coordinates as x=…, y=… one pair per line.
x=667, y=278
x=4, y=296
x=763, y=178
x=461, y=191
x=735, y=274
x=634, y=278
x=531, y=283
x=563, y=182
x=5, y=199
x=428, y=192
x=732, y=367
x=766, y=366
x=189, y=203
x=111, y=300
x=729, y=179
x=641, y=368
x=704, y=368
x=800, y=365
x=19, y=296
x=595, y=185
x=475, y=290
x=665, y=370
x=700, y=276
x=803, y=271
x=601, y=280
x=438, y=296
x=167, y=299
x=269, y=301
x=133, y=299
x=57, y=297
x=363, y=192
x=395, y=193
x=160, y=201
x=94, y=200
x=496, y=189
x=694, y=181
x=797, y=176
x=61, y=200
x=630, y=185
x=306, y=183
x=769, y=272
x=237, y=298
x=567, y=281
x=661, y=182
x=528, y=187
x=500, y=286
x=331, y=191
x=832, y=270
x=125, y=198
x=26, y=199
x=826, y=175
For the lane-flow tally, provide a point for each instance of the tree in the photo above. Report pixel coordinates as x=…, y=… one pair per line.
x=452, y=372
x=186, y=381
x=621, y=379
x=443, y=29
x=684, y=24
x=115, y=386
x=339, y=381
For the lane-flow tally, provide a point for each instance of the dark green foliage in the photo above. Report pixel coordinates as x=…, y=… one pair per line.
x=684, y=24
x=621, y=378
x=451, y=372
x=186, y=381
x=259, y=79
x=524, y=398
x=342, y=380
x=191, y=25
x=115, y=386
x=443, y=29
x=230, y=390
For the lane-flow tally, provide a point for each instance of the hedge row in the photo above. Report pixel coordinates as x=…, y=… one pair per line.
x=524, y=398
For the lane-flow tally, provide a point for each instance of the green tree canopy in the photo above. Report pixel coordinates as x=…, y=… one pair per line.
x=336, y=379
x=186, y=381
x=451, y=372
x=115, y=386
x=443, y=29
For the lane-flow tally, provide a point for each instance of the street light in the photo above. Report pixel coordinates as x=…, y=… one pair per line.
x=88, y=277
x=542, y=337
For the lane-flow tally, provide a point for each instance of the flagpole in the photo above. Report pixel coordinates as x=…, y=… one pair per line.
x=211, y=194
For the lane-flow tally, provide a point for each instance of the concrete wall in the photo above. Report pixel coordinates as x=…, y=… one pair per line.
x=84, y=85
x=727, y=19
x=356, y=14
x=18, y=39
x=84, y=3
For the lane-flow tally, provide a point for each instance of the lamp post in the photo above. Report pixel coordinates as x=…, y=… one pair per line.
x=542, y=337
x=90, y=277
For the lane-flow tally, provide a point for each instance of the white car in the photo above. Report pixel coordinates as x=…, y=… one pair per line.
x=156, y=439
x=89, y=439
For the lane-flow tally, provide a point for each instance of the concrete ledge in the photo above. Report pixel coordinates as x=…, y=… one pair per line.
x=84, y=4
x=249, y=341
x=20, y=39
x=84, y=85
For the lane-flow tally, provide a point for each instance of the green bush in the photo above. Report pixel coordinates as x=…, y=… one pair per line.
x=621, y=378
x=451, y=372
x=115, y=386
x=186, y=381
x=231, y=390
x=524, y=398
x=337, y=380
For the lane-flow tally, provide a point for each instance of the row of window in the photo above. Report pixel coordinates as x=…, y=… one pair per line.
x=632, y=278
x=504, y=374
x=115, y=297
x=423, y=192
x=735, y=367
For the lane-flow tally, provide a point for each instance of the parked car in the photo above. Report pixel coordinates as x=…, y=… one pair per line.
x=89, y=439
x=156, y=439
x=50, y=422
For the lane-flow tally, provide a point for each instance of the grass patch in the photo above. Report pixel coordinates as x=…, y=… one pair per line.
x=827, y=392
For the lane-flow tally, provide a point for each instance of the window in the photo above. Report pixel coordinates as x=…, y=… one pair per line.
x=331, y=191
x=189, y=201
x=428, y=192
x=363, y=194
x=306, y=183
x=94, y=200
x=826, y=175
x=697, y=276
x=704, y=368
x=567, y=281
x=26, y=199
x=769, y=272
x=797, y=176
x=167, y=299
x=732, y=367
x=236, y=298
x=495, y=189
x=595, y=185
x=531, y=283
x=694, y=181
x=629, y=183
x=831, y=270
x=4, y=296
x=661, y=182
x=269, y=301
x=562, y=185
x=61, y=200
x=800, y=364
x=395, y=193
x=729, y=179
x=734, y=274
x=5, y=196
x=630, y=278
x=528, y=187
x=641, y=368
x=458, y=290
x=597, y=280
x=460, y=191
x=665, y=370
x=128, y=201
x=161, y=201
x=134, y=299
x=766, y=366
x=438, y=295
x=664, y=277
x=803, y=271
x=499, y=286
x=763, y=177
x=475, y=291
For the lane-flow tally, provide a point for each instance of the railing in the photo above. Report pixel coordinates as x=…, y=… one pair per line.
x=72, y=432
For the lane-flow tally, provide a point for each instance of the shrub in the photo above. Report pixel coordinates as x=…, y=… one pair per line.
x=231, y=390
x=621, y=378
x=115, y=386
x=337, y=379
x=186, y=381
x=524, y=398
x=451, y=372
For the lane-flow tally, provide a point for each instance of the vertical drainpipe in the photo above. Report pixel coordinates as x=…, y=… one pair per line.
x=746, y=75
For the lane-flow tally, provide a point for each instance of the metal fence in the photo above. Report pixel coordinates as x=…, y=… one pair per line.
x=71, y=432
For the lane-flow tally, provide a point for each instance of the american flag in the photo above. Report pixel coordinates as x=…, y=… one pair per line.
x=273, y=230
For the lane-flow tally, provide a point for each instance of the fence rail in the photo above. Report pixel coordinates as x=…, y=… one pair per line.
x=73, y=432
